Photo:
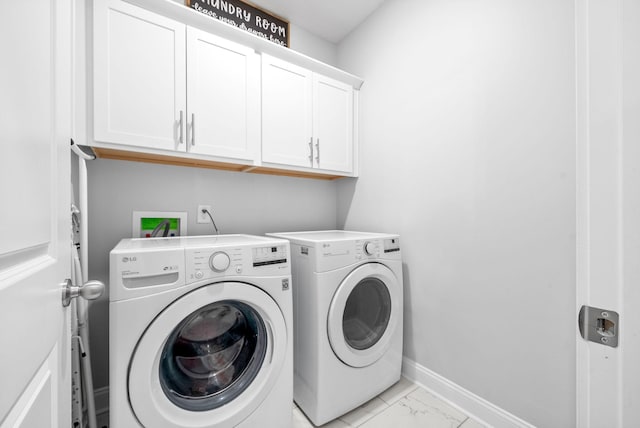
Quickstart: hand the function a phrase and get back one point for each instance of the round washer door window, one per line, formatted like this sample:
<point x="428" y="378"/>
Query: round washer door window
<point x="363" y="315"/>
<point x="209" y="359"/>
<point x="213" y="355"/>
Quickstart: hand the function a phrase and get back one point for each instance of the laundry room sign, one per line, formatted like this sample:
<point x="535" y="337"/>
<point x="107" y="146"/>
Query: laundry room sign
<point x="246" y="17"/>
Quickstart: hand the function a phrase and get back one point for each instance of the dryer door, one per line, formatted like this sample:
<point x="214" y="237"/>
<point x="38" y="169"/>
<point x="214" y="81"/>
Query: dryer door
<point x="209" y="359"/>
<point x="364" y="314"/>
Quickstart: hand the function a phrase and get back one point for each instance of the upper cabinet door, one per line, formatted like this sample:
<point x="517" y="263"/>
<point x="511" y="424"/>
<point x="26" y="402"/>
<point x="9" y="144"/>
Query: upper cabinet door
<point x="139" y="77"/>
<point x="332" y="124"/>
<point x="286" y="113"/>
<point x="223" y="93"/>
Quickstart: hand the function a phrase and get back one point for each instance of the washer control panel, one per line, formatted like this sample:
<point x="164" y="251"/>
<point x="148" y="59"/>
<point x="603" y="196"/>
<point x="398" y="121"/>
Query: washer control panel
<point x="272" y="255"/>
<point x="219" y="261"/>
<point x="391" y="245"/>
<point x="211" y="263"/>
<point x="369" y="248"/>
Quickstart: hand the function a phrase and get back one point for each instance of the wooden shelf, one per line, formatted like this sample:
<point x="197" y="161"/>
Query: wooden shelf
<point x="104" y="153"/>
<point x="290" y="173"/>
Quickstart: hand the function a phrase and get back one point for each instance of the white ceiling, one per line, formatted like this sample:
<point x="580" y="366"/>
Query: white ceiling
<point x="330" y="19"/>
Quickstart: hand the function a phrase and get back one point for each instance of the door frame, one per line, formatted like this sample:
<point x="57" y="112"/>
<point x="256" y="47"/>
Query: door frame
<point x="608" y="206"/>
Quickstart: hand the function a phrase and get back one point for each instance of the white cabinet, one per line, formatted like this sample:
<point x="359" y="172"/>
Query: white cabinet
<point x="160" y="84"/>
<point x="286" y="113"/>
<point x="139" y="77"/>
<point x="223" y="90"/>
<point x="307" y="118"/>
<point x="168" y="90"/>
<point x="333" y="120"/>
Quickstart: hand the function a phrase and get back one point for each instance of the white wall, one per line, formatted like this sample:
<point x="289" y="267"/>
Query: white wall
<point x="467" y="136"/>
<point x="311" y="45"/>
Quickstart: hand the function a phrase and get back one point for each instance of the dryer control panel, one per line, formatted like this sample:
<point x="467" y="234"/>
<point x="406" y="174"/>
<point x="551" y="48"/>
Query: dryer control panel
<point x="335" y="254"/>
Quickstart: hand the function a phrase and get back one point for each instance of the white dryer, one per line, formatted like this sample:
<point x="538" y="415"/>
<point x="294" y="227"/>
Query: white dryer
<point x="200" y="332"/>
<point x="348" y="298"/>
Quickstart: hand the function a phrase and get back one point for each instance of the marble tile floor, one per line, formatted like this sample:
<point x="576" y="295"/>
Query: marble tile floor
<point x="403" y="405"/>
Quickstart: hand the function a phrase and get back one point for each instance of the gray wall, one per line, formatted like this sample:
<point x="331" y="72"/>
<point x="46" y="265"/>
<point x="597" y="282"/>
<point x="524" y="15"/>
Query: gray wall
<point x="311" y="45"/>
<point x="467" y="136"/>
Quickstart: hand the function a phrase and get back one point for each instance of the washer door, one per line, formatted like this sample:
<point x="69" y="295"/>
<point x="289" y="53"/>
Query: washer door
<point x="363" y="315"/>
<point x="209" y="359"/>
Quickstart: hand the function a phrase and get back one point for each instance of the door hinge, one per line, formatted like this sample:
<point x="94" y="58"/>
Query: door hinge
<point x="599" y="325"/>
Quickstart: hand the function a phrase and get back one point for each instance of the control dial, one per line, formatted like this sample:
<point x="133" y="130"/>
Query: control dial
<point x="219" y="261"/>
<point x="369" y="248"/>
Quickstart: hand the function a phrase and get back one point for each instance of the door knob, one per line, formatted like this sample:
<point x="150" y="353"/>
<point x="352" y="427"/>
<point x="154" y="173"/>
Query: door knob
<point x="91" y="290"/>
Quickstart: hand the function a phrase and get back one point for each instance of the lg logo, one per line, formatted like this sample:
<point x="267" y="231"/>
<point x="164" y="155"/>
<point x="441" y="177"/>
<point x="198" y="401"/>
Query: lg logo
<point x="129" y="259"/>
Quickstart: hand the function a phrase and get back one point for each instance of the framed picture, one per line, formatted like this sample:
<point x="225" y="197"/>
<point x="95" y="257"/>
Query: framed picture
<point x="246" y="17"/>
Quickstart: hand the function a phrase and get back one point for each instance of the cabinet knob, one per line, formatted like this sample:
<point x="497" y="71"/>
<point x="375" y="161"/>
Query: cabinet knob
<point x="181" y="127"/>
<point x="193" y="129"/>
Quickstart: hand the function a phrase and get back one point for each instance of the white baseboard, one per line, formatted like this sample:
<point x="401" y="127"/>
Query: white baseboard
<point x="469" y="403"/>
<point x="101" y="396"/>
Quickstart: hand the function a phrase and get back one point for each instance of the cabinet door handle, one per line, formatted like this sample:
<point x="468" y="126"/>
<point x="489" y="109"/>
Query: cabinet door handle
<point x="193" y="129"/>
<point x="318" y="151"/>
<point x="311" y="151"/>
<point x="181" y="127"/>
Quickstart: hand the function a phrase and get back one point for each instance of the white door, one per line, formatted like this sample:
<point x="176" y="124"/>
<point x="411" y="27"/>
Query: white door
<point x="286" y="113"/>
<point x="35" y="184"/>
<point x="608" y="208"/>
<point x="332" y="124"/>
<point x="139" y="77"/>
<point x="223" y="97"/>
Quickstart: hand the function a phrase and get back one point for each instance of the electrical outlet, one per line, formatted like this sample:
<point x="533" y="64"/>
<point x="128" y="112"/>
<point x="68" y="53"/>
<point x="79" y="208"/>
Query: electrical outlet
<point x="203" y="217"/>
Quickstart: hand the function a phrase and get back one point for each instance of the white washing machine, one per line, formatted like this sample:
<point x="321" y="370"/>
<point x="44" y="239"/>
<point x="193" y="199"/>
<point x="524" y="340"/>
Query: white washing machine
<point x="347" y="290"/>
<point x="200" y="332"/>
